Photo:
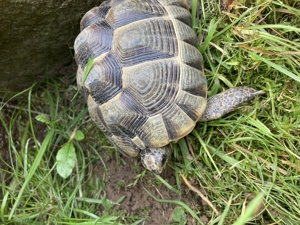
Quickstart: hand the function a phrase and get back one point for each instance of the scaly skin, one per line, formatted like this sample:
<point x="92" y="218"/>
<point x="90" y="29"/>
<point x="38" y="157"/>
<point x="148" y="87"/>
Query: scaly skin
<point x="155" y="159"/>
<point x="227" y="101"/>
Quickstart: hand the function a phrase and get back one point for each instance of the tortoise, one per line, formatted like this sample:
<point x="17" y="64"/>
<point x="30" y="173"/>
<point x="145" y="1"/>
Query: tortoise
<point x="146" y="87"/>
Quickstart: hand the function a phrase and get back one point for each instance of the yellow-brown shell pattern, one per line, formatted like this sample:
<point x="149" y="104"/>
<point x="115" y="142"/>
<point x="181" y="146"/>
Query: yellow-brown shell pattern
<point x="147" y="86"/>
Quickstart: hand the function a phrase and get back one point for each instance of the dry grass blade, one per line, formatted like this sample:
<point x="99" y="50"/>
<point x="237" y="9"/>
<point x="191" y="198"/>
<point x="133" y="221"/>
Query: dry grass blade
<point x="194" y="189"/>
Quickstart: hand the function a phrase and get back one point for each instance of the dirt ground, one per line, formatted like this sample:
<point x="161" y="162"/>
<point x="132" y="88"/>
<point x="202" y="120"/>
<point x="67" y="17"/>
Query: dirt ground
<point x="137" y="201"/>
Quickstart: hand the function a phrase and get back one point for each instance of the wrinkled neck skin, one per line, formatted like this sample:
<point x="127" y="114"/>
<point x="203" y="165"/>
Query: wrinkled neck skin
<point x="155" y="159"/>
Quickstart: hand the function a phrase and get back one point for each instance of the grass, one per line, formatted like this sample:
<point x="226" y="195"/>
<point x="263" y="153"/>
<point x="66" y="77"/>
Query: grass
<point x="33" y="192"/>
<point x="247" y="164"/>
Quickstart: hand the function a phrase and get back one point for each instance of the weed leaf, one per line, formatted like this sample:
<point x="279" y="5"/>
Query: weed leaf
<point x="65" y="159"/>
<point x="179" y="216"/>
<point x="43" y="119"/>
<point x="79" y="135"/>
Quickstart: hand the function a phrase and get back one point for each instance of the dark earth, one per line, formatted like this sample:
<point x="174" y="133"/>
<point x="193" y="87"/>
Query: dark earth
<point x="137" y="201"/>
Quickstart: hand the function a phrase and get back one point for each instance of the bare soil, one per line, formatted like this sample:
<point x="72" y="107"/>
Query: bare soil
<point x="137" y="201"/>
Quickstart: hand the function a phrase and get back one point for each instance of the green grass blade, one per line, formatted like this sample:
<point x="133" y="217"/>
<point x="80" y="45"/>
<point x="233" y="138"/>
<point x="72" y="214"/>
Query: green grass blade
<point x="210" y="32"/>
<point x="276" y="26"/>
<point x="87" y="70"/>
<point x="225" y="212"/>
<point x="232" y="24"/>
<point x="166" y="184"/>
<point x="194" y="12"/>
<point x="243" y="219"/>
<point x="277" y="67"/>
<point x="233" y="162"/>
<point x="33" y="168"/>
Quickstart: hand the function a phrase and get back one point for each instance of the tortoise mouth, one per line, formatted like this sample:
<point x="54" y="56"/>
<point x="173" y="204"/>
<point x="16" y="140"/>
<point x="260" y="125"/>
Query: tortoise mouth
<point x="155" y="159"/>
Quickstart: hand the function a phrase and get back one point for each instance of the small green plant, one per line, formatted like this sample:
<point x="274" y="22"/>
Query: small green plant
<point x="178" y="216"/>
<point x="66" y="156"/>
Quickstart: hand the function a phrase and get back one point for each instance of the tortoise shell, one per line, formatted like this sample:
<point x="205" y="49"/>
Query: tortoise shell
<point x="146" y="87"/>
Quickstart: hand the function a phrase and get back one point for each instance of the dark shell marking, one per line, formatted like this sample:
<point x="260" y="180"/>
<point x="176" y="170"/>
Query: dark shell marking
<point x="147" y="86"/>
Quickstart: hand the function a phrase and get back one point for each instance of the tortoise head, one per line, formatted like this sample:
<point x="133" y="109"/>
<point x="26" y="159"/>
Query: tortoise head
<point x="155" y="159"/>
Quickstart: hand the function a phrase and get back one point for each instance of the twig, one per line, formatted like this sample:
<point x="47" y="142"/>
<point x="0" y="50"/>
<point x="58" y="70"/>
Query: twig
<point x="190" y="148"/>
<point x="158" y="192"/>
<point x="194" y="189"/>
